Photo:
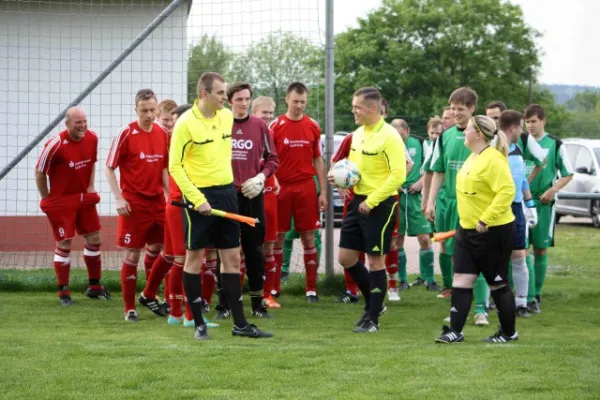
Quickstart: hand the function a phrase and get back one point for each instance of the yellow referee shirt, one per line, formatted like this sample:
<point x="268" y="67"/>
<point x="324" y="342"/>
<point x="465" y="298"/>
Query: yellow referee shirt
<point x="200" y="154"/>
<point x="378" y="152"/>
<point x="485" y="190"/>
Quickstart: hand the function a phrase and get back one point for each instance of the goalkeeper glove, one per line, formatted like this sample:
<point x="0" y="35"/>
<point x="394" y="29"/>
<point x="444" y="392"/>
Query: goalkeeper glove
<point x="530" y="213"/>
<point x="253" y="186"/>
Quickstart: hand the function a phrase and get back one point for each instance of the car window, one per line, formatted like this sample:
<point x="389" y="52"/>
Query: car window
<point x="584" y="160"/>
<point x="572" y="149"/>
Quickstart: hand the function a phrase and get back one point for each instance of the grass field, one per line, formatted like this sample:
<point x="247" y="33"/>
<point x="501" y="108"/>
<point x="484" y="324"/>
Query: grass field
<point x="89" y="352"/>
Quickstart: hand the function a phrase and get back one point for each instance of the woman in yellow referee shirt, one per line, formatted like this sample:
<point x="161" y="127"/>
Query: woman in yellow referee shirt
<point x="484" y="239"/>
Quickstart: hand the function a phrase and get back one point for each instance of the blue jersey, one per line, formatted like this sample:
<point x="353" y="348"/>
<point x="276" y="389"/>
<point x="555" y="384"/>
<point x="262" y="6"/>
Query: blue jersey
<point x="518" y="171"/>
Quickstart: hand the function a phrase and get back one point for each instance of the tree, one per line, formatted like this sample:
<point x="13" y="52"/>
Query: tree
<point x="207" y="54"/>
<point x="418" y="51"/>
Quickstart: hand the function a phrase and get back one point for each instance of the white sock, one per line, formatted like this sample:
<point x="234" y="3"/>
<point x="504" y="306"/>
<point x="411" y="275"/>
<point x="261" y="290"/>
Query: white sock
<point x="521" y="281"/>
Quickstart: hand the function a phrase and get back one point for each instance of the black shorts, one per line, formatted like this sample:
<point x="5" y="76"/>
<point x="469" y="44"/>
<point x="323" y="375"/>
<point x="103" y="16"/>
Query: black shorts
<point x="254" y="208"/>
<point x="371" y="233"/>
<point x="487" y="253"/>
<point x="202" y="231"/>
<point x="520" y="227"/>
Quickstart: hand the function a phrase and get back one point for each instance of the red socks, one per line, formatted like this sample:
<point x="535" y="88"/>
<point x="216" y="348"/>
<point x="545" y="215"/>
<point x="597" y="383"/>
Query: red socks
<point x="278" y="256"/>
<point x="149" y="260"/>
<point x="91" y="257"/>
<point x="391" y="266"/>
<point x="62" y="266"/>
<point x="270" y="272"/>
<point x="128" y="284"/>
<point x="311" y="264"/>
<point x="176" y="289"/>
<point x="159" y="270"/>
<point x="208" y="278"/>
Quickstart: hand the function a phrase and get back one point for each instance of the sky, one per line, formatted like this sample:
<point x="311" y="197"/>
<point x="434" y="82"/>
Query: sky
<point x="569" y="44"/>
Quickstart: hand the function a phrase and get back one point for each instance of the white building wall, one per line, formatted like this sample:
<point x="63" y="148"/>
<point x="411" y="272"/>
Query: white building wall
<point x="49" y="52"/>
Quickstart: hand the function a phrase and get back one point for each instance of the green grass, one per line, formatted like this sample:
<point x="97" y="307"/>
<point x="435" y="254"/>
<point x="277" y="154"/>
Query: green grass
<point x="87" y="351"/>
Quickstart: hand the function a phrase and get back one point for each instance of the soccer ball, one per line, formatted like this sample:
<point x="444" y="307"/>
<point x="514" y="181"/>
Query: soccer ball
<point x="345" y="174"/>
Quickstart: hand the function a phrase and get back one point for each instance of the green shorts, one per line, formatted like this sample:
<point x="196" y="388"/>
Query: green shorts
<point x="412" y="220"/>
<point x="446" y="219"/>
<point x="541" y="236"/>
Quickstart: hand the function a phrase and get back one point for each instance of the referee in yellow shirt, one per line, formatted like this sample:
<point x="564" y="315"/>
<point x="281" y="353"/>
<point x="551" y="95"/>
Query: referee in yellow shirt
<point x="484" y="191"/>
<point x="378" y="151"/>
<point x="200" y="164"/>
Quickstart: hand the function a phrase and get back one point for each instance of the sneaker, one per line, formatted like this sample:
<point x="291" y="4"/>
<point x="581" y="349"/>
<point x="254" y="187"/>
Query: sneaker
<point x="284" y="276"/>
<point x="250" y="330"/>
<point x="522" y="312"/>
<point x="481" y="319"/>
<point x="165" y="306"/>
<point x="367" y="326"/>
<point x="403" y="286"/>
<point x="418" y="282"/>
<point x="270" y="302"/>
<point x="393" y="295"/>
<point x="205" y="307"/>
<point x="365" y="316"/>
<point x="175" y="320"/>
<point x="188" y="323"/>
<point x="347" y="298"/>
<point x="98" y="293"/>
<point x="153" y="305"/>
<point x="209" y="323"/>
<point x="131" y="316"/>
<point x="312" y="298"/>
<point x="261" y="313"/>
<point x="490" y="307"/>
<point x="449" y="336"/>
<point x="201" y="333"/>
<point x="538" y="298"/>
<point x="275" y="294"/>
<point x="65" y="299"/>
<point x="433" y="286"/>
<point x="500" y="337"/>
<point x="444" y="294"/>
<point x="533" y="307"/>
<point x="222" y="313"/>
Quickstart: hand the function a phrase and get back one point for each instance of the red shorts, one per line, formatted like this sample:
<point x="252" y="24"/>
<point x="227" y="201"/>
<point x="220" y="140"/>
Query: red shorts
<point x="395" y="233"/>
<point x="270" y="201"/>
<point x="298" y="200"/>
<point x="69" y="215"/>
<point x="144" y="225"/>
<point x="174" y="240"/>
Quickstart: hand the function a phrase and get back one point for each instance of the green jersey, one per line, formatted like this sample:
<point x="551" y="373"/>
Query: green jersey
<point x="427" y="151"/>
<point x="449" y="154"/>
<point x="414" y="147"/>
<point x="557" y="161"/>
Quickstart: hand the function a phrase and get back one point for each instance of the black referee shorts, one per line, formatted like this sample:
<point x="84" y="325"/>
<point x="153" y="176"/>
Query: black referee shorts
<point x="369" y="233"/>
<point x="210" y="231"/>
<point x="487" y="253"/>
<point x="254" y="208"/>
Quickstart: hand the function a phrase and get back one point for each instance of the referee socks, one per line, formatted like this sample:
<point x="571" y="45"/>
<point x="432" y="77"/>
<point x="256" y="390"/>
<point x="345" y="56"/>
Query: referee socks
<point x="233" y="292"/>
<point x="360" y="275"/>
<point x="192" y="287"/>
<point x="461" y="304"/>
<point x="505" y="305"/>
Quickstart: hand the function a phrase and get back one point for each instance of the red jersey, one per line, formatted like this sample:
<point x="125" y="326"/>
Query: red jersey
<point x="297" y="143"/>
<point x="174" y="191"/>
<point x="344" y="150"/>
<point x="141" y="157"/>
<point x="69" y="164"/>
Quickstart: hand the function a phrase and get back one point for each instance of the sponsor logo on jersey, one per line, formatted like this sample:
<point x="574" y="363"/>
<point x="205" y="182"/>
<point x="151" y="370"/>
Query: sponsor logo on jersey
<point x="72" y="164"/>
<point x="412" y="152"/>
<point x="240" y="144"/>
<point x="142" y="156"/>
<point x="286" y="141"/>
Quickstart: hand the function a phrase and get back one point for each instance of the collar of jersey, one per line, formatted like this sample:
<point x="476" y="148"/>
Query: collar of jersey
<point x="198" y="114"/>
<point x="376" y="127"/>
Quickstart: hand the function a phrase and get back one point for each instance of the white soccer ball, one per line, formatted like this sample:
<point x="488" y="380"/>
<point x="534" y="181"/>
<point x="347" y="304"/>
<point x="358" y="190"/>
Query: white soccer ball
<point x="345" y="174"/>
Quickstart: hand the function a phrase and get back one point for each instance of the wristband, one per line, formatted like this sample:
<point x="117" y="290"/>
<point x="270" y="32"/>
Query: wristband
<point x="529" y="203"/>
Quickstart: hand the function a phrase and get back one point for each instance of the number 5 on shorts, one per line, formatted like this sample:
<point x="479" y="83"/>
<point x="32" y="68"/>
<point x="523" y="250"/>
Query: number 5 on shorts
<point x="127" y="239"/>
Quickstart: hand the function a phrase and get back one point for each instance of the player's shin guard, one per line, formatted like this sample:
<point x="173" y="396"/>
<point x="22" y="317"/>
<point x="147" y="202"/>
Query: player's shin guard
<point x="403" y="275"/>
<point x="480" y="291"/>
<point x="391" y="266"/>
<point x="149" y="260"/>
<point x="426" y="265"/>
<point x="446" y="267"/>
<point x="505" y="305"/>
<point x="62" y="267"/>
<point x="378" y="288"/>
<point x="209" y="280"/>
<point x="359" y="273"/>
<point x="541" y="267"/>
<point x="161" y="267"/>
<point x="531" y="284"/>
<point x="350" y="284"/>
<point x="278" y="256"/>
<point x="128" y="284"/>
<point x="191" y="286"/>
<point x="520" y="278"/>
<point x="461" y="304"/>
<point x="270" y="272"/>
<point x="233" y="291"/>
<point x="311" y="264"/>
<point x="91" y="257"/>
<point x="176" y="289"/>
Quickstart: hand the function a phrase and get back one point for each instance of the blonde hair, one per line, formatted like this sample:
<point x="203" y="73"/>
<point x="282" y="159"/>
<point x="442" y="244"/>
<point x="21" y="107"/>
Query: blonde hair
<point x="435" y="121"/>
<point x="166" y="106"/>
<point x="262" y="101"/>
<point x="487" y="127"/>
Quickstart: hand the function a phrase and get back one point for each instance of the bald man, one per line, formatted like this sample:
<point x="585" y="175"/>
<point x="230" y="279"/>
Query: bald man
<point x="68" y="162"/>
